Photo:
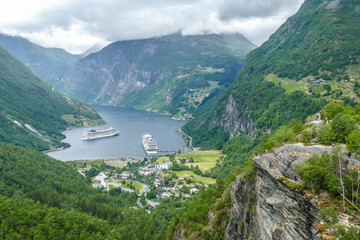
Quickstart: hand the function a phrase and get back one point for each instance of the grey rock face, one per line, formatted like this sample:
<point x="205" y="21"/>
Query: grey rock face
<point x="235" y="121"/>
<point x="266" y="208"/>
<point x="124" y="67"/>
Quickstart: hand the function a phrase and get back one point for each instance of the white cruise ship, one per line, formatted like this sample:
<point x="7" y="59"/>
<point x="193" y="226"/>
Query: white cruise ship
<point x="149" y="144"/>
<point x="93" y="134"/>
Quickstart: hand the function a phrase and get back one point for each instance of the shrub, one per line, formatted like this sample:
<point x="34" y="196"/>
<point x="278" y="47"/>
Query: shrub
<point x="326" y="134"/>
<point x="353" y="142"/>
<point x="331" y="110"/>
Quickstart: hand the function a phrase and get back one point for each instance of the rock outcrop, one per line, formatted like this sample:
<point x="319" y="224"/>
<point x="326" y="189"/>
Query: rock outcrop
<point x="266" y="208"/>
<point x="236" y="122"/>
<point x="138" y="73"/>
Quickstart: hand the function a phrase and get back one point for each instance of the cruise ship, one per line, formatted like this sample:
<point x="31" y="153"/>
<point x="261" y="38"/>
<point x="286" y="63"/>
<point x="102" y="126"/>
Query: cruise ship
<point x="93" y="134"/>
<point x="149" y="144"/>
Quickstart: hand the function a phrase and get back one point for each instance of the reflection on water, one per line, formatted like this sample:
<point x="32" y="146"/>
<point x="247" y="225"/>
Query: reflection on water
<point x="132" y="124"/>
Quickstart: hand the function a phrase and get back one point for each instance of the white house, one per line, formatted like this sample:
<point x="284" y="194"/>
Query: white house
<point x="101" y="179"/>
<point x="193" y="190"/>
<point x="164" y="165"/>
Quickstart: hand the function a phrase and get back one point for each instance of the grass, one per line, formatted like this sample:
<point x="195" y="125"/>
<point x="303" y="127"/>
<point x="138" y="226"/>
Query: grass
<point x="116" y="163"/>
<point x="138" y="186"/>
<point x="204" y="159"/>
<point x="195" y="177"/>
<point x="162" y="159"/>
<point x="288" y="183"/>
<point x="286" y="83"/>
<point x="354" y="72"/>
<point x="75" y="121"/>
<point x="91" y="163"/>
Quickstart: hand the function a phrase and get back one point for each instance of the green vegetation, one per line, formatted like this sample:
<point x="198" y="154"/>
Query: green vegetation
<point x="289" y="183"/>
<point x="286" y="83"/>
<point x="30" y="112"/>
<point x="131" y="184"/>
<point x="27" y="174"/>
<point x="193" y="218"/>
<point x="312" y="45"/>
<point x="269" y="106"/>
<point x="49" y="64"/>
<point x="180" y="72"/>
<point x="204" y="159"/>
<point x="41" y="196"/>
<point x="194" y="177"/>
<point x="343" y="127"/>
<point x="317" y="46"/>
<point x="162" y="159"/>
<point x="268" y="93"/>
<point x="30" y="220"/>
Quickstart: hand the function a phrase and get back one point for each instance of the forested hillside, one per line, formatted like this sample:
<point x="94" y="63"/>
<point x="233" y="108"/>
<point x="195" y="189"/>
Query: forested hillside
<point x="311" y="58"/>
<point x="31" y="114"/>
<point x="45" y="198"/>
<point x="172" y="74"/>
<point x="288" y="128"/>
<point x="49" y="64"/>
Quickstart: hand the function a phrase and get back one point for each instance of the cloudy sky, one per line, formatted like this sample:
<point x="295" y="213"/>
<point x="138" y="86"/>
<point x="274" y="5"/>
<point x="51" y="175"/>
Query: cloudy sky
<point x="77" y="25"/>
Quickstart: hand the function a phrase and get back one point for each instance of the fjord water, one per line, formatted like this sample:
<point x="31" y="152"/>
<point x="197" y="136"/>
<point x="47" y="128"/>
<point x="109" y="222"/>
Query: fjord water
<point x="132" y="124"/>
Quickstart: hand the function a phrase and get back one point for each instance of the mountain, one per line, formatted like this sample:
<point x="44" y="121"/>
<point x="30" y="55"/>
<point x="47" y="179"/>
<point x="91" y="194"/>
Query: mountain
<point x="31" y="113"/>
<point x="97" y="47"/>
<point x="48" y="63"/>
<point x="173" y="74"/>
<point x="312" y="57"/>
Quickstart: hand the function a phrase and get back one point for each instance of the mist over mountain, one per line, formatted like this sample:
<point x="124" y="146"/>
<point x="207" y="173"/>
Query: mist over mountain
<point x="171" y="74"/>
<point x="48" y="63"/>
<point x="284" y="118"/>
<point x="312" y="57"/>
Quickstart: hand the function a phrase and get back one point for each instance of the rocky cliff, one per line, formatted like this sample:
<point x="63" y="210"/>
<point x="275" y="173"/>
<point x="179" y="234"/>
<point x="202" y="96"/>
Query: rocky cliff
<point x="168" y="74"/>
<point x="316" y="46"/>
<point x="268" y="207"/>
<point x="236" y="122"/>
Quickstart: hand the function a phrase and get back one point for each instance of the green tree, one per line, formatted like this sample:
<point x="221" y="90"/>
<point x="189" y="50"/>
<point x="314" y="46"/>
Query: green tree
<point x="326" y="134"/>
<point x="305" y="137"/>
<point x="320" y="173"/>
<point x="151" y="195"/>
<point x="342" y="126"/>
<point x="331" y="110"/>
<point x="143" y="200"/>
<point x="353" y="141"/>
<point x="327" y="87"/>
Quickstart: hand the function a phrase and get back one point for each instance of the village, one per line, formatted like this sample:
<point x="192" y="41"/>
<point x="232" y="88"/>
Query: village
<point x="154" y="179"/>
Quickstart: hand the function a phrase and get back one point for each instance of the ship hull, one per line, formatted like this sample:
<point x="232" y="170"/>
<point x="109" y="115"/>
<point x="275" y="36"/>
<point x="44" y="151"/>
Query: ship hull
<point x="100" y="134"/>
<point x="149" y="144"/>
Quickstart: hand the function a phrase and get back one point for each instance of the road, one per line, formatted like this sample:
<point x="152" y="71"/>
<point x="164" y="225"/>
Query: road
<point x="145" y="189"/>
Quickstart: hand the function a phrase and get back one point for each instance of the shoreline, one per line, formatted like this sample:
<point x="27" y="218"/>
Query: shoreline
<point x="120" y="155"/>
<point x="101" y="122"/>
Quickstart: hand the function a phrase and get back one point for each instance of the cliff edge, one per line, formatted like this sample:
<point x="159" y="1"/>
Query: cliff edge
<point x="270" y="206"/>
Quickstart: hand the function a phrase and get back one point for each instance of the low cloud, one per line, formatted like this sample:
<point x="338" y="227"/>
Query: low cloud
<point x="77" y="25"/>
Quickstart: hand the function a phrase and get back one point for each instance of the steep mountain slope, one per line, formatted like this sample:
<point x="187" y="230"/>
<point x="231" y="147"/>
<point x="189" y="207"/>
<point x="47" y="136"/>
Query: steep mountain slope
<point x="290" y="188"/>
<point x="171" y="74"/>
<point x="31" y="114"/>
<point x="313" y="56"/>
<point x="48" y="63"/>
<point x="66" y="205"/>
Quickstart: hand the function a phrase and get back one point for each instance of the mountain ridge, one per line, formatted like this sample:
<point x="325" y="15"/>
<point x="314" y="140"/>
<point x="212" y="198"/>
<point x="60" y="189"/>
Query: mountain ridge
<point x="146" y="73"/>
<point x="271" y="74"/>
<point x="48" y="63"/>
<point x="31" y="113"/>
